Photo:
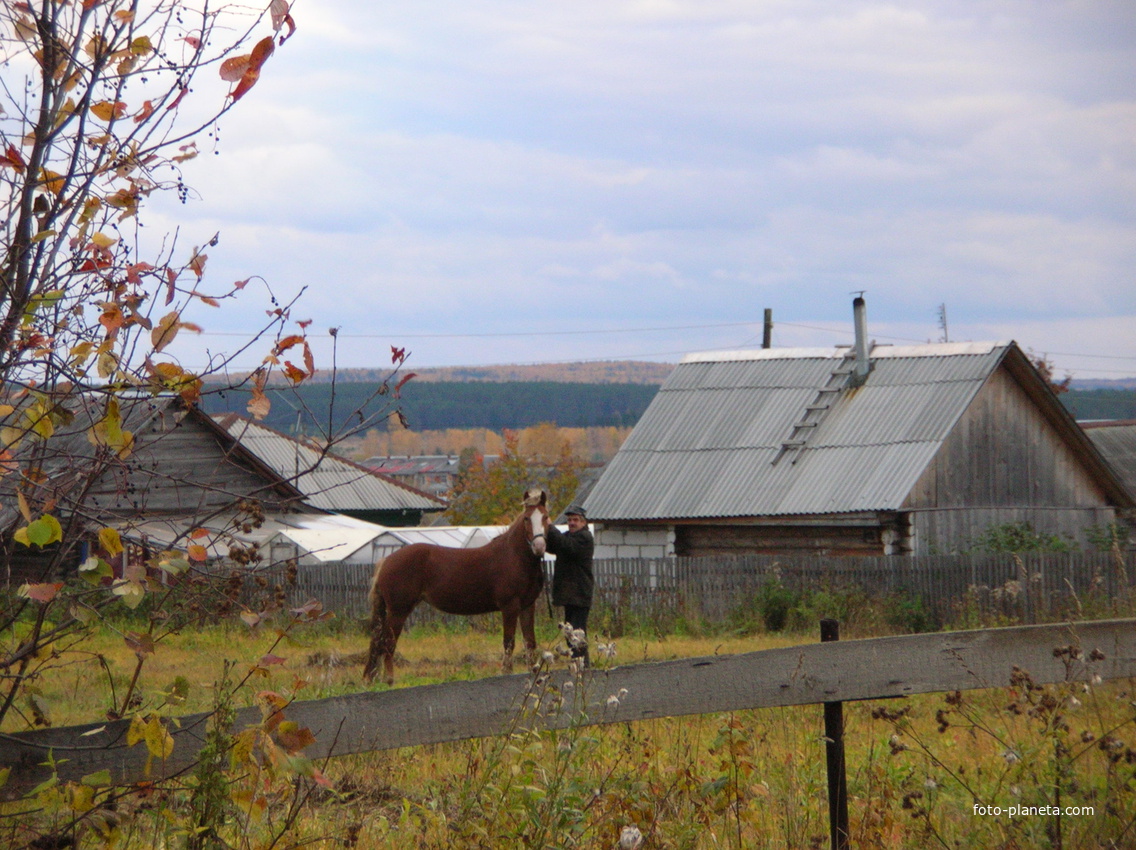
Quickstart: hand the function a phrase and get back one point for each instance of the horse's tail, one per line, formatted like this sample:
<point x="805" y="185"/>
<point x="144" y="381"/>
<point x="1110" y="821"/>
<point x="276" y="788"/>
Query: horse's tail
<point x="378" y="625"/>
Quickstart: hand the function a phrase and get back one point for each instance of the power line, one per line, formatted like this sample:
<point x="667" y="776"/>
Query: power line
<point x="511" y="333"/>
<point x="836" y="330"/>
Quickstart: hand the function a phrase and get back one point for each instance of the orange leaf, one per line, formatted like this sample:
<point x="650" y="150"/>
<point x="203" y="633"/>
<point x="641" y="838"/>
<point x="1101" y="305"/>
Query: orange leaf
<point x="51" y="181"/>
<point x="12" y="158"/>
<point x="234" y="68"/>
<point x="294" y="373"/>
<point x="403" y="380"/>
<point x="259" y="405"/>
<point x="198" y="533"/>
<point x="197" y="552"/>
<point x="134" y="272"/>
<point x="256" y="59"/>
<point x="140" y="644"/>
<point x="177" y="100"/>
<point x="145" y="112"/>
<point x="197" y="263"/>
<point x="309" y="361"/>
<point x="294" y="737"/>
<point x="166" y="330"/>
<point x="112" y="318"/>
<point x="41" y="592"/>
<point x="287" y="342"/>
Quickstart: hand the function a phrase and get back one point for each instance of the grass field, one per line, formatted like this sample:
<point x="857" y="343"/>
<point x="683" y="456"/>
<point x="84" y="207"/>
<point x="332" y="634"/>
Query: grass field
<point x="917" y="768"/>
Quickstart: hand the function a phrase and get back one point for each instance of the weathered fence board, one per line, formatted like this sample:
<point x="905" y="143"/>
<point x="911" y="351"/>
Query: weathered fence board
<point x="873" y="668"/>
<point x="1031" y="587"/>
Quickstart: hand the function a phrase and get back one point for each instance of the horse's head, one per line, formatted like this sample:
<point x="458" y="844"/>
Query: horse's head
<point x="536" y="519"/>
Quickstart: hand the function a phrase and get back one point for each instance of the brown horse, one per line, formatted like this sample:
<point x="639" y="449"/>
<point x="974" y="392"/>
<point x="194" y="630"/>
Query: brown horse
<point x="506" y="575"/>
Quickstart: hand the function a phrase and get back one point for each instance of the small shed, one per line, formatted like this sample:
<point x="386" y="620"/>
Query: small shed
<point x="912" y="449"/>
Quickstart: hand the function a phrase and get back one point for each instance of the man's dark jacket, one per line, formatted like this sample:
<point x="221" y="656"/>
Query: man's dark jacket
<point x="572" y="583"/>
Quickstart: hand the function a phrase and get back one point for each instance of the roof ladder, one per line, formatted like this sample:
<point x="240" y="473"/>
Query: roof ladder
<point x="815" y="412"/>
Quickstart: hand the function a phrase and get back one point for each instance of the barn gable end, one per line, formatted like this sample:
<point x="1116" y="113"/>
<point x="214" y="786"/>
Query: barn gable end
<point x="1009" y="459"/>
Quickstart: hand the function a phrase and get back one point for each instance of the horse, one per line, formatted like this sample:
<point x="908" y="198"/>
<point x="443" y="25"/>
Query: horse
<point x="506" y="575"/>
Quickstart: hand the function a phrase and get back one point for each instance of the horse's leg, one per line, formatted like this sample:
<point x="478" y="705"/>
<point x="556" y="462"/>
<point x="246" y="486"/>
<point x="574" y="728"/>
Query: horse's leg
<point x="509" y="631"/>
<point x="528" y="629"/>
<point x="395" y="623"/>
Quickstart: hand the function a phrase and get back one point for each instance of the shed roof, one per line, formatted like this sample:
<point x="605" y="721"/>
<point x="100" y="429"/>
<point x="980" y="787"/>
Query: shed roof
<point x="715" y="441"/>
<point x="1117" y="442"/>
<point x="327" y="481"/>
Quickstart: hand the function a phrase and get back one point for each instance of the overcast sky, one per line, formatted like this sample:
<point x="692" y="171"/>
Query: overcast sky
<point x="494" y="181"/>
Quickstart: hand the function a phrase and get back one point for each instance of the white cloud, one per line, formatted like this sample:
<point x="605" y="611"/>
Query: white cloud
<point x="440" y="166"/>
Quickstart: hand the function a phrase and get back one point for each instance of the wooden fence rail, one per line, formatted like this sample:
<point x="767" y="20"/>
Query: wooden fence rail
<point x="874" y="668"/>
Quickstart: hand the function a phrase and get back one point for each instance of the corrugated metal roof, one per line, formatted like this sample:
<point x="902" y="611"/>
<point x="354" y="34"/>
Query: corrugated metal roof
<point x="706" y="445"/>
<point x="335" y="484"/>
<point x="1117" y="442"/>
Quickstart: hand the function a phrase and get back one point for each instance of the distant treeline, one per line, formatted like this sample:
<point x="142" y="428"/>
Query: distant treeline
<point x="521" y="404"/>
<point x="450" y="404"/>
<point x="1100" y="404"/>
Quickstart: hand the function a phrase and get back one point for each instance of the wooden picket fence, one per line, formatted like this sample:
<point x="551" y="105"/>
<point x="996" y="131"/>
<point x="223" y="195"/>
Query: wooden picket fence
<point x="1028" y="588"/>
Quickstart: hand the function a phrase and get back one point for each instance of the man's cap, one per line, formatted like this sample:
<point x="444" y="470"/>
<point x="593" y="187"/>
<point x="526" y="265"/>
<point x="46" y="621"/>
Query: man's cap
<point x="575" y="509"/>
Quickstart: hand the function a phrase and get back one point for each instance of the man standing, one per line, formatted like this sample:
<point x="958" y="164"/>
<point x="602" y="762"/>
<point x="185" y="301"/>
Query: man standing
<point x="572" y="582"/>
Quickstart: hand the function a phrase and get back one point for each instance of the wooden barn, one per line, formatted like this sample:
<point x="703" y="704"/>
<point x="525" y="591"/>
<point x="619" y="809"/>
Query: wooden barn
<point x="184" y="471"/>
<point x="914" y="449"/>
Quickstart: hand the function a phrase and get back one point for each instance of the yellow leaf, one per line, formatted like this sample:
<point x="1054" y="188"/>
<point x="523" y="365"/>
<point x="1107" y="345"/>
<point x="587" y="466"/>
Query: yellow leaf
<point x="131" y="592"/>
<point x="137" y="730"/>
<point x="108" y="110"/>
<point x="159" y="741"/>
<point x="82" y="798"/>
<point x="95" y="46"/>
<point x="141" y="45"/>
<point x="41" y="532"/>
<point x="51" y="180"/>
<point x="166" y="330"/>
<point x="111" y="541"/>
<point x="102" y="240"/>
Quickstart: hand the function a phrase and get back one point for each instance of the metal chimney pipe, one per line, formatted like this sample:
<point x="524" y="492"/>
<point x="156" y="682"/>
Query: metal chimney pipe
<point x="862" y="366"/>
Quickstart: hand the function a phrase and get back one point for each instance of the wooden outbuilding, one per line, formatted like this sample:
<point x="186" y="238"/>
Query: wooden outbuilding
<point x="913" y="449"/>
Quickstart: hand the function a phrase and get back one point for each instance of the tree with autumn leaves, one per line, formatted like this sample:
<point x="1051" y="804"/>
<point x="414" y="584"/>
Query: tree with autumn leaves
<point x="491" y="494"/>
<point x="102" y="106"/>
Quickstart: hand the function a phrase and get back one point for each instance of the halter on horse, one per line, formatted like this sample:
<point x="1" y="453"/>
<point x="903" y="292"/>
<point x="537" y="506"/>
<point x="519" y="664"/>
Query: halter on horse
<point x="506" y="575"/>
